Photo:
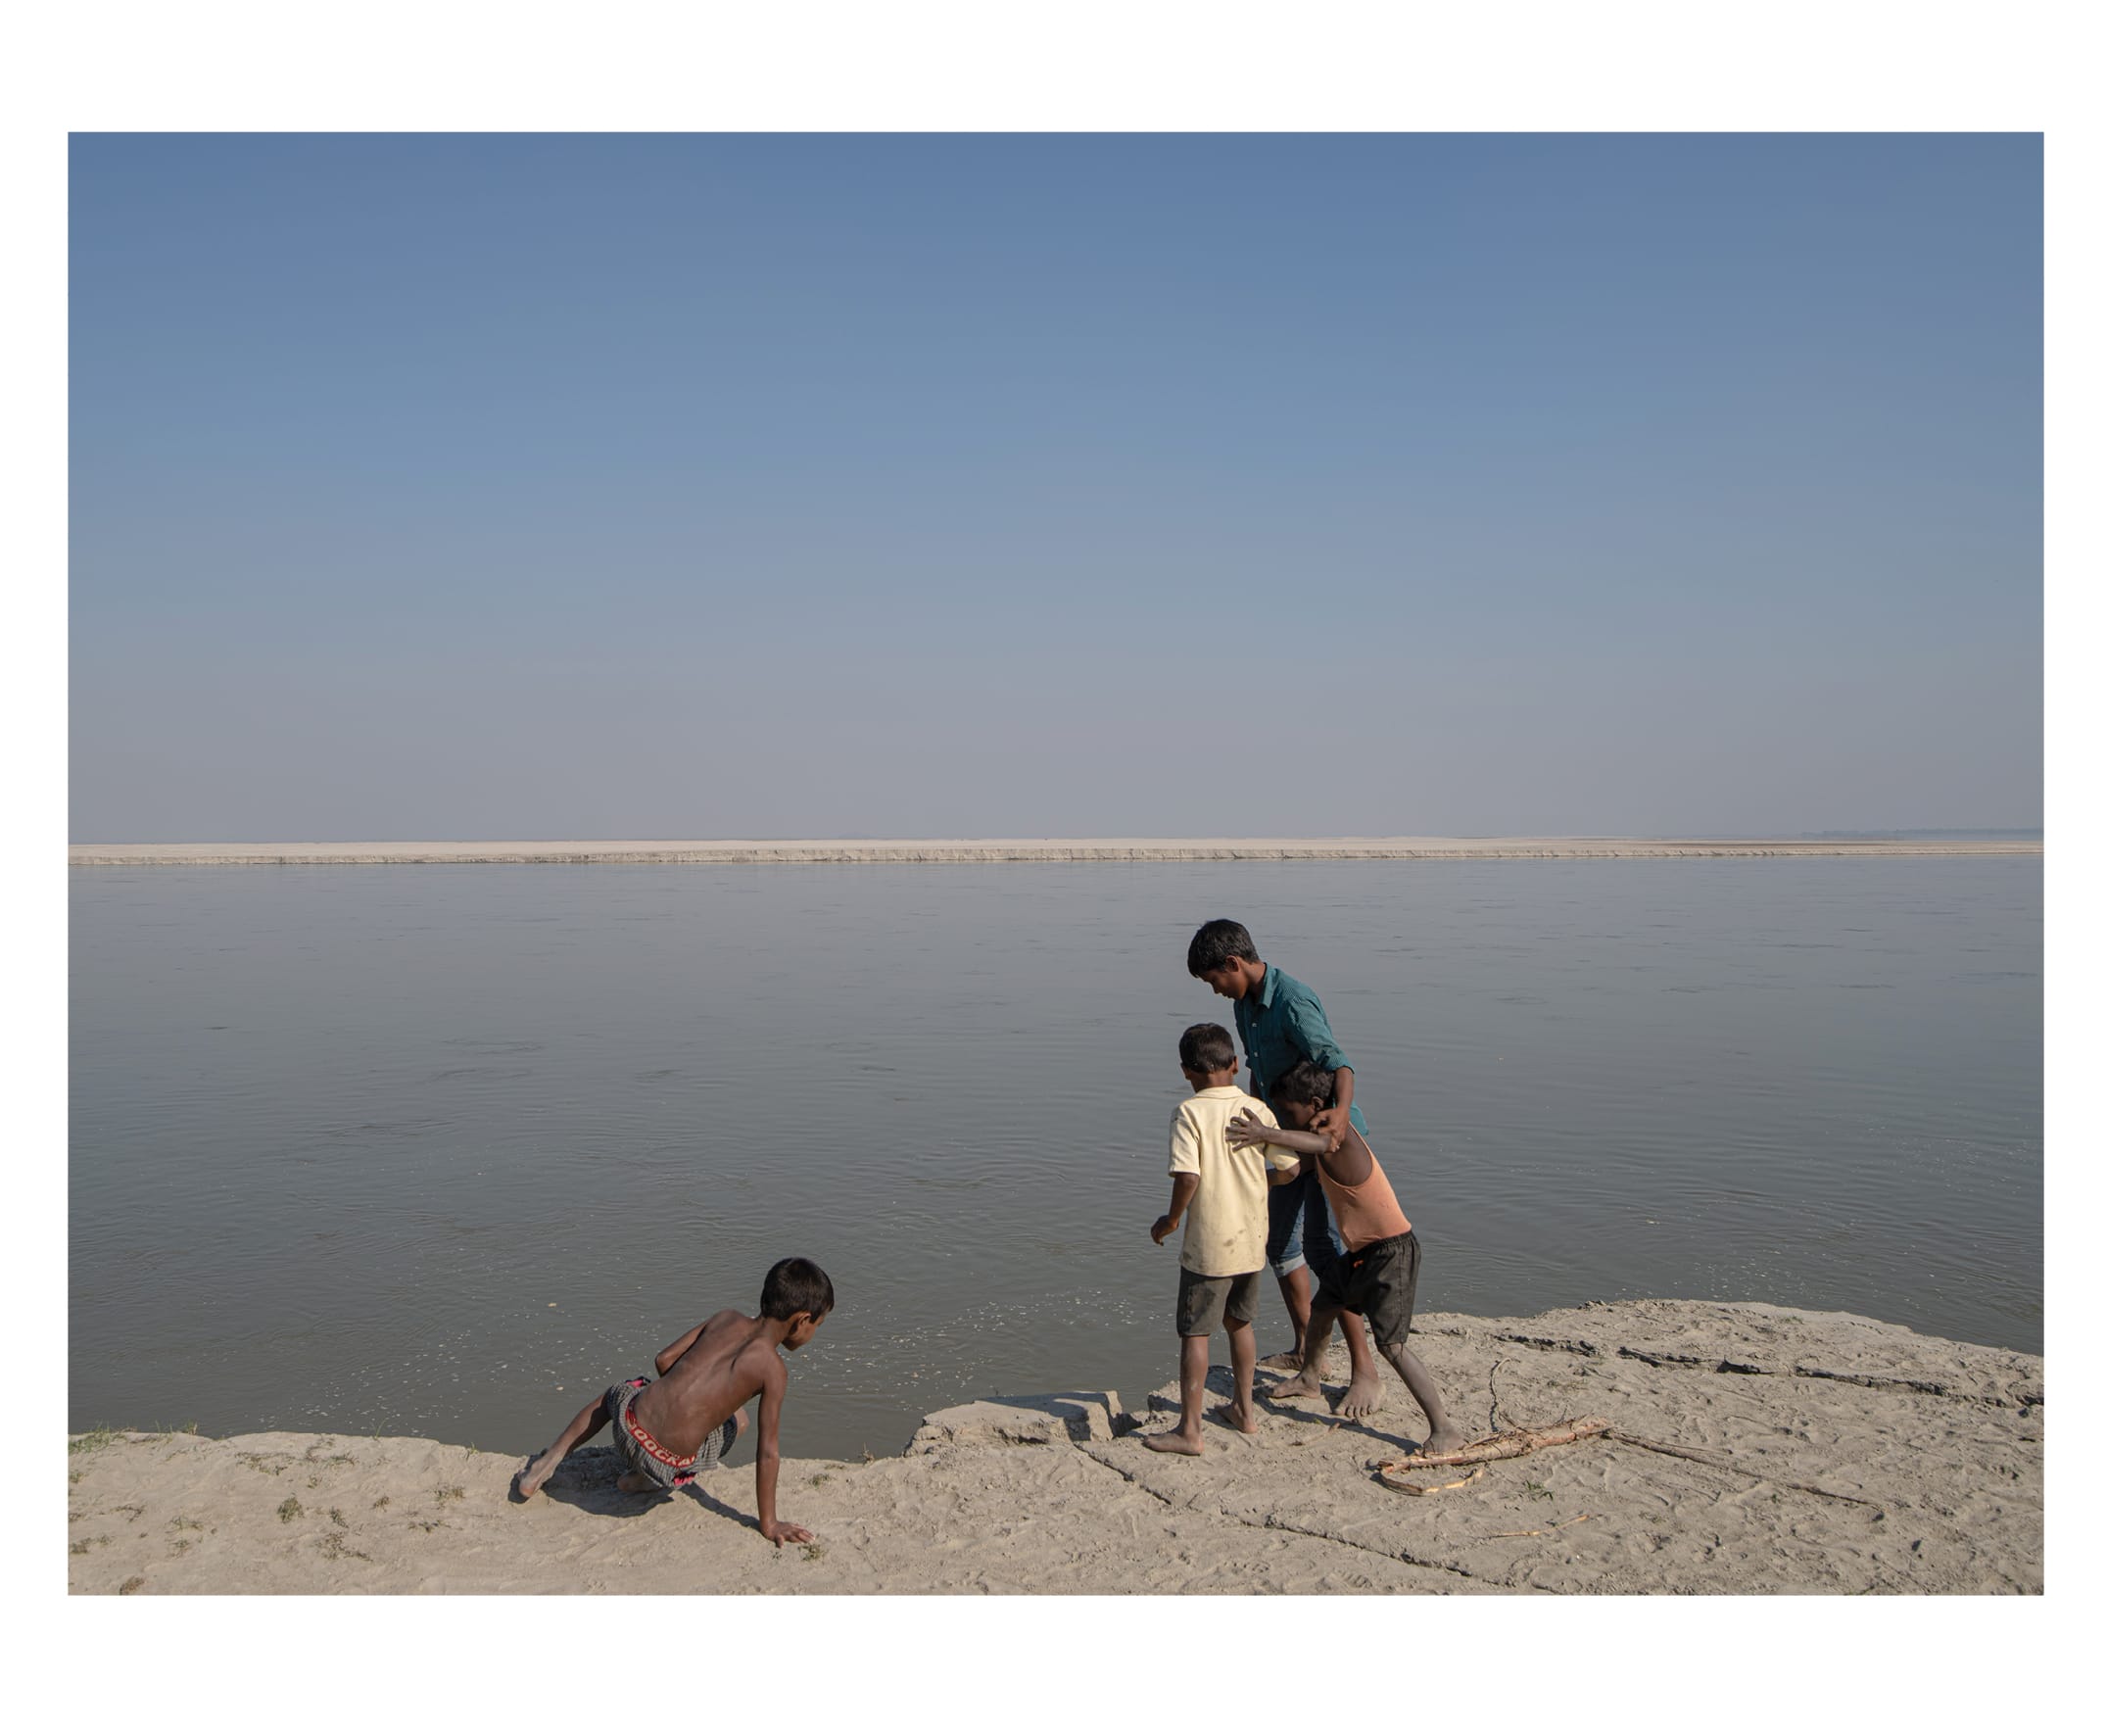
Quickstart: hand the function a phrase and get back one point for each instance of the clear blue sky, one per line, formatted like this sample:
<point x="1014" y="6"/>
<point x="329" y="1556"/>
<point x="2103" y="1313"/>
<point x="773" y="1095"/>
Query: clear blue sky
<point x="479" y="487"/>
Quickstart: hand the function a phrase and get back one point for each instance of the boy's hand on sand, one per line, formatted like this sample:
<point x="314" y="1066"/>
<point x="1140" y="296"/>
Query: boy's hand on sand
<point x="782" y="1531"/>
<point x="1162" y="1228"/>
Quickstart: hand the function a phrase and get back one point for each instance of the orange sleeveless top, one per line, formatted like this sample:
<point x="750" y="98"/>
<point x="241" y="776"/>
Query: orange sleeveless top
<point x="1368" y="1213"/>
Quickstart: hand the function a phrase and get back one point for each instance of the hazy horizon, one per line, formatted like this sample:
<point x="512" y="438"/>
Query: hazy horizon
<point x="689" y="486"/>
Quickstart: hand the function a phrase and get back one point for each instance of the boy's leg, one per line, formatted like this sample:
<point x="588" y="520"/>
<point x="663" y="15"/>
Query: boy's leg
<point x="1283" y="1253"/>
<point x="1237" y="1316"/>
<point x="1192" y="1395"/>
<point x="1390" y="1301"/>
<point x="580" y="1429"/>
<point x="1443" y="1436"/>
<point x="1307" y="1382"/>
<point x="1321" y="1249"/>
<point x="1242" y="1415"/>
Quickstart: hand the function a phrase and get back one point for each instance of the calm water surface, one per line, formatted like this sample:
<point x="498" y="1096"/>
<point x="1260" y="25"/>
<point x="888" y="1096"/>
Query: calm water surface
<point x="442" y="1150"/>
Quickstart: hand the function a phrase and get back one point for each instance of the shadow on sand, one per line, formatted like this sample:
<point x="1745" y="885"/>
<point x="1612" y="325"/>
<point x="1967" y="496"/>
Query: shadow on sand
<point x="586" y="1481"/>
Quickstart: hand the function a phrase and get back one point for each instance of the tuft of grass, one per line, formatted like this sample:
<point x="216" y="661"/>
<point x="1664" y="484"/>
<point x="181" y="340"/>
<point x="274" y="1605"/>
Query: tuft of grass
<point x="1535" y="1491"/>
<point x="186" y="1524"/>
<point x="180" y="1546"/>
<point x="819" y="1479"/>
<point x="337" y="1519"/>
<point x="92" y="1443"/>
<point x="813" y="1551"/>
<point x="289" y="1510"/>
<point x="81" y="1545"/>
<point x="131" y="1585"/>
<point x="382" y="1502"/>
<point x="456" y="1493"/>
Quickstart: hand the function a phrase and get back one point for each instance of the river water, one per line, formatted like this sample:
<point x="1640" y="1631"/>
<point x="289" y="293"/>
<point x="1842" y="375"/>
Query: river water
<point x="442" y="1150"/>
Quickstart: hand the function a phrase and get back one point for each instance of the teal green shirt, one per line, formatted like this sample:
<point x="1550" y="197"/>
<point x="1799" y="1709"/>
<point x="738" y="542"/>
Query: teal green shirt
<point x="1282" y="1022"/>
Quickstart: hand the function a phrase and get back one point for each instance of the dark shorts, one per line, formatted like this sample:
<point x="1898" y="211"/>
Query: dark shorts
<point x="1379" y="1282"/>
<point x="1205" y="1304"/>
<point x="644" y="1454"/>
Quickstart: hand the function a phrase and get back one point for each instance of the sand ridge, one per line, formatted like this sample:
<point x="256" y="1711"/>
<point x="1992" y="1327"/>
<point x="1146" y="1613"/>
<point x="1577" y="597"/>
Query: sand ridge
<point x="1840" y="1454"/>
<point x="909" y="850"/>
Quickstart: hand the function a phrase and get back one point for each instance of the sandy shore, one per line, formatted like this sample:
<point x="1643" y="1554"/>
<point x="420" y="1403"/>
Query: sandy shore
<point x="791" y="852"/>
<point x="1836" y="1454"/>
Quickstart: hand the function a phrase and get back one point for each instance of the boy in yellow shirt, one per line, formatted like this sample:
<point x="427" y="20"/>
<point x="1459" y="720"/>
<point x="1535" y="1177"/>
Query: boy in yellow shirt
<point x="1220" y="1194"/>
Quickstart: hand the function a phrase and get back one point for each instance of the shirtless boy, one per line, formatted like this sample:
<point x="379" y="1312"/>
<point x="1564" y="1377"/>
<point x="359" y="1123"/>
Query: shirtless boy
<point x="1379" y="1275"/>
<point x="683" y="1423"/>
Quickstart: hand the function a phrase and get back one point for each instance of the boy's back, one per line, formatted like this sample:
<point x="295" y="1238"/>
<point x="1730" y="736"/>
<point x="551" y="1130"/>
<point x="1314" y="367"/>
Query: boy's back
<point x="1225" y="1223"/>
<point x="732" y="1358"/>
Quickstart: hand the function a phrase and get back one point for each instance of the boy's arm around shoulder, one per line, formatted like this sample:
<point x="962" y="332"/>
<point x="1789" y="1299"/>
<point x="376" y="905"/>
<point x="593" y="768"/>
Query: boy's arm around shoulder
<point x="1282" y="1148"/>
<point x="768" y="1456"/>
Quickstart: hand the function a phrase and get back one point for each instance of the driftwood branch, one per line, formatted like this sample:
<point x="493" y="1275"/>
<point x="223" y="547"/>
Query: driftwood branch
<point x="1510" y="1445"/>
<point x="1383" y="1477"/>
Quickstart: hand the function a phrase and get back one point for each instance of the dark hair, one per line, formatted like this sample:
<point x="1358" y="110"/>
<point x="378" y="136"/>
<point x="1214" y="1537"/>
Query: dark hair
<point x="1218" y="942"/>
<point x="1304" y="1082"/>
<point x="1206" y="1048"/>
<point x="795" y="1286"/>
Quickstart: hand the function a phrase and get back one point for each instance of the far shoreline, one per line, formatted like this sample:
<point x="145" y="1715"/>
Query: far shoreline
<point x="793" y="853"/>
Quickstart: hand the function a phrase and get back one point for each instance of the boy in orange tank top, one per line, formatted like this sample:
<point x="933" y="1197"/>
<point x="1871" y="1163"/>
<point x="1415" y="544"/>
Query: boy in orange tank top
<point x="1379" y="1276"/>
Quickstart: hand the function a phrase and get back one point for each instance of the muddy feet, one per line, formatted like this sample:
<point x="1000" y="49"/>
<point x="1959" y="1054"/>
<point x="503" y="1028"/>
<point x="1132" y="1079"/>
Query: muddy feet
<point x="1304" y="1385"/>
<point x="1237" y="1416"/>
<point x="1177" y="1440"/>
<point x="1364" y="1397"/>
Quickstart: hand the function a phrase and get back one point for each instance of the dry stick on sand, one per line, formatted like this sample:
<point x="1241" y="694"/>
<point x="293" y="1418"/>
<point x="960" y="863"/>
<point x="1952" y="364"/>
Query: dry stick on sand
<point x="1510" y="1445"/>
<point x="1404" y="1488"/>
<point x="1577" y="1519"/>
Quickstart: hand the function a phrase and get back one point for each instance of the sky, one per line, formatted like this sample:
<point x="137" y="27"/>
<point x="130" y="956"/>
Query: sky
<point x="687" y="487"/>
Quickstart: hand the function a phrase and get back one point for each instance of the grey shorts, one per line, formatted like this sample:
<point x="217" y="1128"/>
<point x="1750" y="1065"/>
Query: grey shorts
<point x="1380" y="1283"/>
<point x="642" y="1453"/>
<point x="1203" y="1302"/>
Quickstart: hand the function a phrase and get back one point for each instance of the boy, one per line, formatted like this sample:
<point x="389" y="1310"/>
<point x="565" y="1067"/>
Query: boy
<point x="1281" y="1022"/>
<point x="670" y="1428"/>
<point x="1222" y="1195"/>
<point x="1379" y="1275"/>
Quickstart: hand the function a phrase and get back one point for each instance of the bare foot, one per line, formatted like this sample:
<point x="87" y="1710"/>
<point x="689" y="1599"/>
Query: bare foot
<point x="1288" y="1360"/>
<point x="1235" y="1416"/>
<point x="533" y="1475"/>
<point x="1304" y="1385"/>
<point x="1174" y="1440"/>
<point x="1364" y="1397"/>
<point x="1446" y="1441"/>
<point x="635" y="1482"/>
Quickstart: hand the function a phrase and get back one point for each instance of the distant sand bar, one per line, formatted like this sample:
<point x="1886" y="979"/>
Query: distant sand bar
<point x="792" y="852"/>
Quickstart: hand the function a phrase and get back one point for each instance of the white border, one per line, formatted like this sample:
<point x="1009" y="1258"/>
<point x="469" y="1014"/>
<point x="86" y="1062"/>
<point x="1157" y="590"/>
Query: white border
<point x="1078" y="66"/>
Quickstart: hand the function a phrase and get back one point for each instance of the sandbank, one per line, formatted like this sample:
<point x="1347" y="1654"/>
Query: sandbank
<point x="913" y="850"/>
<point x="1835" y="1454"/>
